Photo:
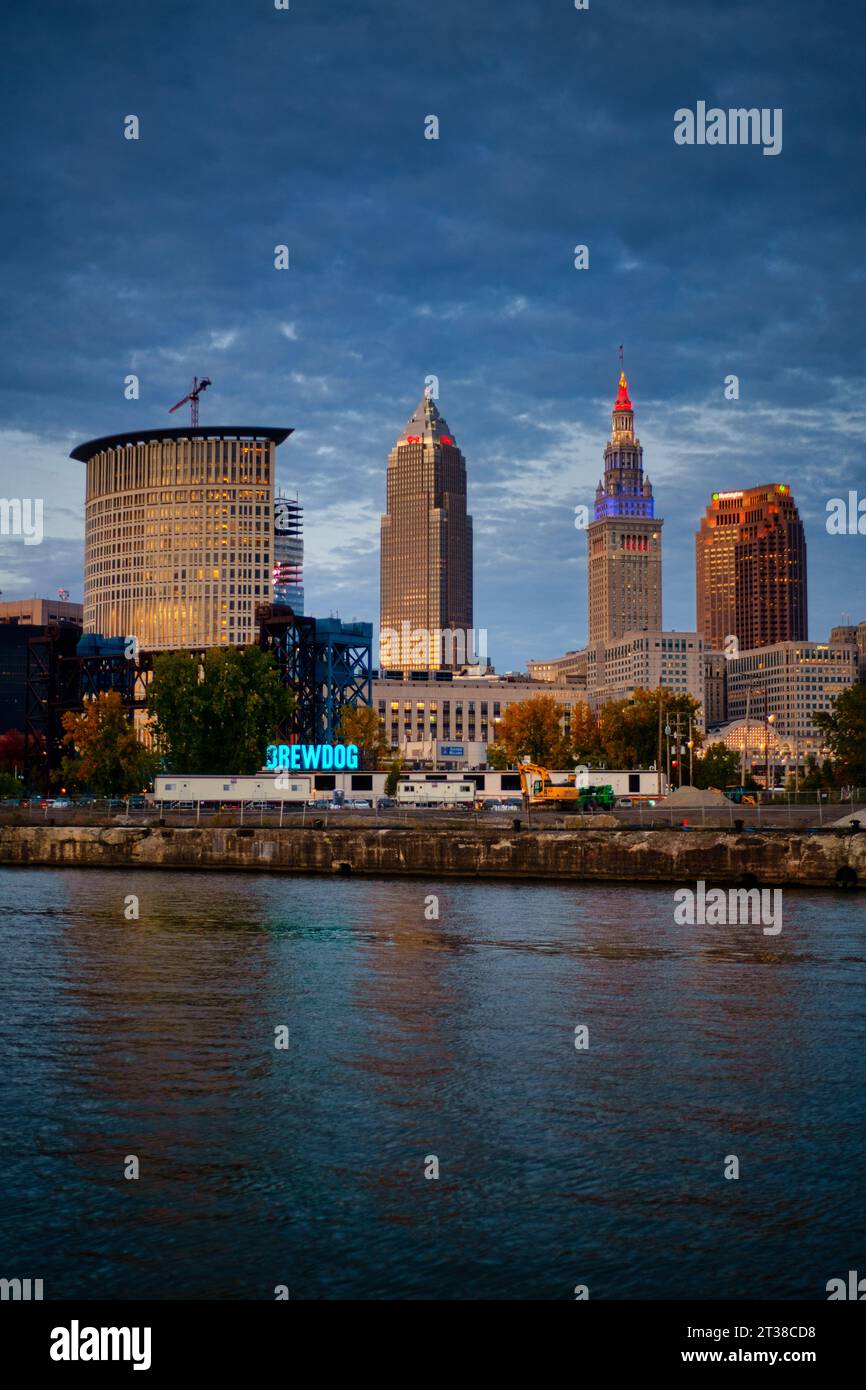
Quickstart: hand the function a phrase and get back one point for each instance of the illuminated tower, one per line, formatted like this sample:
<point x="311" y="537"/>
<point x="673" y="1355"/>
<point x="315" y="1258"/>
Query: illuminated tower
<point x="624" y="565"/>
<point x="178" y="534"/>
<point x="750" y="569"/>
<point x="426" y="559"/>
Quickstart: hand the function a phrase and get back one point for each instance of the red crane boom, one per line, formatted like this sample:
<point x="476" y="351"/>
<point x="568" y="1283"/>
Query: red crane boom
<point x="192" y="396"/>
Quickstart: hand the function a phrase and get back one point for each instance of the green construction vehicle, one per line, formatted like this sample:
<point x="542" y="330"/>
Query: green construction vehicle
<point x="596" y="798"/>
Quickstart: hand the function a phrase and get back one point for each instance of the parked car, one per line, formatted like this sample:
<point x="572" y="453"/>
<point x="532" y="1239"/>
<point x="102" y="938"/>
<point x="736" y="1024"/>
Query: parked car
<point x="385" y="803"/>
<point x="60" y="803"/>
<point x="359" y="805"/>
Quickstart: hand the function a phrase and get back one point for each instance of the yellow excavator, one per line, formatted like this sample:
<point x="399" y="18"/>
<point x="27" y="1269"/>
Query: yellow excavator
<point x="542" y="792"/>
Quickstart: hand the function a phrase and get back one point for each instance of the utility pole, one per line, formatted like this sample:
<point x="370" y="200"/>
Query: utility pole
<point x="745" y="737"/>
<point x="659" y="758"/>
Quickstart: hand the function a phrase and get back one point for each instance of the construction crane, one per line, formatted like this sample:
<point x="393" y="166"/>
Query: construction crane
<point x="192" y="396"/>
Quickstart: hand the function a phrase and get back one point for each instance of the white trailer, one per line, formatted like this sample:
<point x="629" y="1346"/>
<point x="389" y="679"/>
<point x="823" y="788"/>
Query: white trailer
<point x="421" y="793"/>
<point x="172" y="788"/>
<point x="637" y="786"/>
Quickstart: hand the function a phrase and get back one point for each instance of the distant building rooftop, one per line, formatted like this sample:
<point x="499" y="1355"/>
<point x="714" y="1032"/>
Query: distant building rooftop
<point x="83" y="452"/>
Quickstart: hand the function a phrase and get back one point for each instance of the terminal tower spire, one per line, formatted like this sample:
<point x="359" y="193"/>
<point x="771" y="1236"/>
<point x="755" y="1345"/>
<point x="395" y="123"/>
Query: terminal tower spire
<point x="624" y="563"/>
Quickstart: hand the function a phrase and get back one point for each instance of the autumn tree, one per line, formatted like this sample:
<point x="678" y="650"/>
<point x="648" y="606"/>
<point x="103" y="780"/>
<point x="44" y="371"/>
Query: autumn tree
<point x="586" y="745"/>
<point x="219" y="712"/>
<point x="361" y="725"/>
<point x="533" y="729"/>
<point x="105" y="754"/>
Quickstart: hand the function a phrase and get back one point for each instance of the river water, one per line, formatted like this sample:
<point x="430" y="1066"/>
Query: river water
<point x="412" y="1040"/>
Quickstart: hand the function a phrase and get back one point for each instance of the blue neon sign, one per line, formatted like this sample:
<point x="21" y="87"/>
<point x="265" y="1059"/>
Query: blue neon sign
<point x="306" y="756"/>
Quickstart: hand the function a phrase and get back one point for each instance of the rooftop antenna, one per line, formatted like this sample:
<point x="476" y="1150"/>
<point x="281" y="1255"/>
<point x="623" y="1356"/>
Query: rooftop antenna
<point x="192" y="396"/>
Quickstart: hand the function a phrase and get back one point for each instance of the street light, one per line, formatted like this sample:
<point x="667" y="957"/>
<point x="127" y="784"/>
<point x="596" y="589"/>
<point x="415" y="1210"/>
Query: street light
<point x="768" y="720"/>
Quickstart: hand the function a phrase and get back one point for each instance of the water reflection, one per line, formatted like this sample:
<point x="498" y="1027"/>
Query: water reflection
<point x="412" y="1037"/>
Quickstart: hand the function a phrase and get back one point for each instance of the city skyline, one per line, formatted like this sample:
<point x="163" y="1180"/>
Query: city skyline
<point x="705" y="261"/>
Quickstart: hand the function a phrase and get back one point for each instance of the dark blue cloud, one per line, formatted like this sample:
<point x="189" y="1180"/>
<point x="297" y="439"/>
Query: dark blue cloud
<point x="453" y="256"/>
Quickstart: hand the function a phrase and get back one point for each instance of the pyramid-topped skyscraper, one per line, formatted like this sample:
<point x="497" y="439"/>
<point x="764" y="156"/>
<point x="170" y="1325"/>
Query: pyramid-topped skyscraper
<point x="426" y="549"/>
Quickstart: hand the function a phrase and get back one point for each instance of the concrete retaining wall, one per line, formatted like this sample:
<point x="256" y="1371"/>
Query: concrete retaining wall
<point x="831" y="859"/>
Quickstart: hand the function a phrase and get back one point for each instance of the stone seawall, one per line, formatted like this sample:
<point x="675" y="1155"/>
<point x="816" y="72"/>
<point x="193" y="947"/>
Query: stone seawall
<point x="832" y="859"/>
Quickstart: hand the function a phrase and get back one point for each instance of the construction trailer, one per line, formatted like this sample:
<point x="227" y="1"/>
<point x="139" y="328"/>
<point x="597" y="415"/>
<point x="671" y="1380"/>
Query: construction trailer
<point x="422" y="793"/>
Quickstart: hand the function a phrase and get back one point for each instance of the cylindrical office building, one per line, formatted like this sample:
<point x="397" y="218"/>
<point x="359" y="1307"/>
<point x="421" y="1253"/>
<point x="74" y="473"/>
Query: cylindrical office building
<point x="179" y="531"/>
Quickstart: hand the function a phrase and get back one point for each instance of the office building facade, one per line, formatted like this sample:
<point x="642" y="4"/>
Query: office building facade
<point x="426" y="606"/>
<point x="750" y="569"/>
<point x="179" y="533"/>
<point x="570" y="669"/>
<point x="646" y="660"/>
<point x="799" y="678"/>
<point x="624" y="560"/>
<point x="38" y="612"/>
<point x="463" y="712"/>
<point x="289" y="551"/>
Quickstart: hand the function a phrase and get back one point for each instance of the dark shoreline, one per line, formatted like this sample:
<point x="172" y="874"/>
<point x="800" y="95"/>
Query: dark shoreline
<point x="832" y="859"/>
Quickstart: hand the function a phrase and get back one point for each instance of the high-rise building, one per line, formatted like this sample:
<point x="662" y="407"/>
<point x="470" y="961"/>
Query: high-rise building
<point x="646" y="661"/>
<point x="750" y="569"/>
<point x="791" y="681"/>
<point x="624" y="566"/>
<point x="289" y="551"/>
<point x="179" y="534"/>
<point x="426" y="551"/>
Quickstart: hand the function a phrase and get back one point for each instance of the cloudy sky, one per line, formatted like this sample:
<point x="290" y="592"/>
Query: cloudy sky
<point x="452" y="257"/>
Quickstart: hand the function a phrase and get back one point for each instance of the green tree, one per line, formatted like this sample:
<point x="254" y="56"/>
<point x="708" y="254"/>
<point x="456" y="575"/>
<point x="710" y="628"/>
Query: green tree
<point x="397" y="765"/>
<point x="217" y="713"/>
<point x="361" y="725"/>
<point x="497" y="758"/>
<point x="630" y="727"/>
<point x="10" y="786"/>
<point x="844" y="730"/>
<point x="814" y="777"/>
<point x="106" y="756"/>
<point x="719" y="767"/>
